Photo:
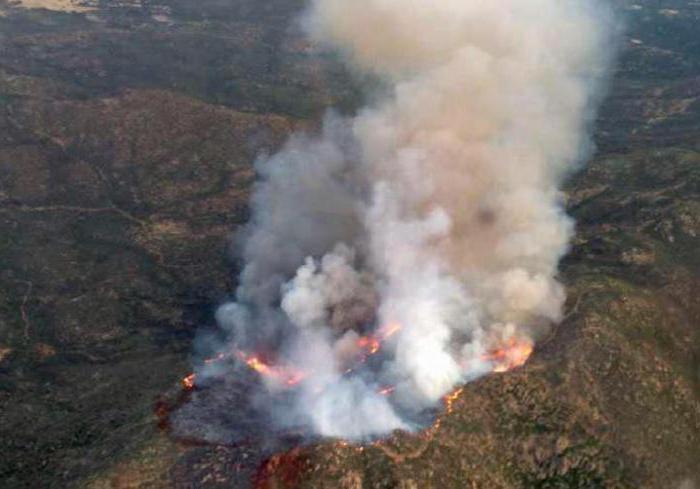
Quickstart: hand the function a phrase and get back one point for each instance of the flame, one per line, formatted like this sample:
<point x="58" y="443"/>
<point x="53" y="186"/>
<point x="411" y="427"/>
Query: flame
<point x="371" y="344"/>
<point x="513" y="354"/>
<point x="256" y="364"/>
<point x="218" y="358"/>
<point x="288" y="376"/>
<point x="367" y="345"/>
<point x="188" y="382"/>
<point x="283" y="375"/>
<point x="450" y="399"/>
<point x="389" y="330"/>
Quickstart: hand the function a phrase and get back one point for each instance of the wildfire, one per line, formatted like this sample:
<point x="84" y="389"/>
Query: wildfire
<point x="288" y="376"/>
<point x="512" y="355"/>
<point x="371" y="344"/>
<point x="450" y="399"/>
<point x="188" y="382"/>
<point x="389" y="330"/>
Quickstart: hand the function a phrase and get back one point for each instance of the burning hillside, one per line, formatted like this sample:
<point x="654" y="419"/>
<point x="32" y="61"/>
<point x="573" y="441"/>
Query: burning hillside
<point x="413" y="247"/>
<point x="511" y="355"/>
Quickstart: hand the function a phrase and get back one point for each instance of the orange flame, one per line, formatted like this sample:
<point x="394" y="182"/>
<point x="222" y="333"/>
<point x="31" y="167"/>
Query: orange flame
<point x="188" y="382"/>
<point x="284" y="375"/>
<point x="389" y="330"/>
<point x="288" y="376"/>
<point x="371" y="344"/>
<point x="450" y="399"/>
<point x="512" y="355"/>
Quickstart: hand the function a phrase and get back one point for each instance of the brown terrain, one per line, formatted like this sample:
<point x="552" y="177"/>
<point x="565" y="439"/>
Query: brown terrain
<point x="128" y="130"/>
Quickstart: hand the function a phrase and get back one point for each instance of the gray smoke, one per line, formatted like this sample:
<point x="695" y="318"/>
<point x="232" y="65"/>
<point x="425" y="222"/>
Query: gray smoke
<point x="435" y="210"/>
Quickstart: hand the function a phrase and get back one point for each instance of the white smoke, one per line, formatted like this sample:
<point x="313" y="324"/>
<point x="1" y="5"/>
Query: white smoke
<point x="436" y="208"/>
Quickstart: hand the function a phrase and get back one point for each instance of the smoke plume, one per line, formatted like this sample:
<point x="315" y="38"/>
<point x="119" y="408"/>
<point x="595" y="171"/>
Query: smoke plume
<point x="409" y="248"/>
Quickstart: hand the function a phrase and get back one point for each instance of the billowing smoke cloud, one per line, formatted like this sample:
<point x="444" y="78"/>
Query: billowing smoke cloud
<point x="431" y="222"/>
